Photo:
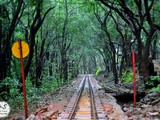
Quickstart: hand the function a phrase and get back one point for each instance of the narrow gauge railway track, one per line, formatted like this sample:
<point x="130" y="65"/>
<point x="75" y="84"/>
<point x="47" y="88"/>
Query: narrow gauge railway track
<point x="85" y="104"/>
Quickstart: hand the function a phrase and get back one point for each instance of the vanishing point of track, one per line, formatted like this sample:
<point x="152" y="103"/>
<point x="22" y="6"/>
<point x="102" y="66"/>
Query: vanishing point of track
<point x="85" y="104"/>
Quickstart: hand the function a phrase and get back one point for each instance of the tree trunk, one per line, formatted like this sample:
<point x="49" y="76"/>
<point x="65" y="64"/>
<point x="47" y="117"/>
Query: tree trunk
<point x="36" y="24"/>
<point x="114" y="69"/>
<point x="154" y="48"/>
<point x="5" y="53"/>
<point x="29" y="61"/>
<point x="84" y="65"/>
<point x="64" y="67"/>
<point x="121" y="66"/>
<point x="144" y="58"/>
<point x="113" y="54"/>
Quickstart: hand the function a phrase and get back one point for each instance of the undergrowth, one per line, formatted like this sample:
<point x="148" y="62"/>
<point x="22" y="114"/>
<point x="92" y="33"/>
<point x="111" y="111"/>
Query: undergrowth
<point x="155" y="89"/>
<point x="14" y="97"/>
<point x="127" y="76"/>
<point x="153" y="81"/>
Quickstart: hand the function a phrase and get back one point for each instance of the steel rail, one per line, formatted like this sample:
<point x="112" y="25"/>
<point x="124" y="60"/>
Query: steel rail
<point x="92" y="100"/>
<point x="79" y="107"/>
<point x="77" y="100"/>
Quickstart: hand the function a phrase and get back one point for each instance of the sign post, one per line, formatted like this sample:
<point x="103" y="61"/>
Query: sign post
<point x="134" y="77"/>
<point x="20" y="49"/>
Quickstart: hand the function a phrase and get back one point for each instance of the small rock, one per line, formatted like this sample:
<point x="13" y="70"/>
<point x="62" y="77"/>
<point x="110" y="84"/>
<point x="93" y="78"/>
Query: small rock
<point x="153" y="114"/>
<point x="54" y="117"/>
<point x="143" y="112"/>
<point x="132" y="118"/>
<point x="137" y="109"/>
<point x="129" y="113"/>
<point x="155" y="109"/>
<point x="152" y="94"/>
<point x="31" y="117"/>
<point x="108" y="108"/>
<point x="144" y="106"/>
<point x="125" y="109"/>
<point x="142" y="119"/>
<point x="20" y="118"/>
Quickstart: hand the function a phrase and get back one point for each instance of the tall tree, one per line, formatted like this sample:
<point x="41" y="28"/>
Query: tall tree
<point x="104" y="27"/>
<point x="135" y="13"/>
<point x="34" y="27"/>
<point x="64" y="46"/>
<point x="5" y="53"/>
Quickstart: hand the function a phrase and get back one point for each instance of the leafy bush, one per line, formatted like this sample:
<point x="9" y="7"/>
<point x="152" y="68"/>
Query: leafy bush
<point x="155" y="78"/>
<point x="49" y="85"/>
<point x="33" y="93"/>
<point x="12" y="95"/>
<point x="153" y="81"/>
<point x="156" y="88"/>
<point x="12" y="85"/>
<point x="127" y="76"/>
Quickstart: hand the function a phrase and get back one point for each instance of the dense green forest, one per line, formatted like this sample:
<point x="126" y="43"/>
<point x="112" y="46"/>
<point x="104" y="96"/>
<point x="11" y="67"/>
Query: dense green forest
<point x="70" y="37"/>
